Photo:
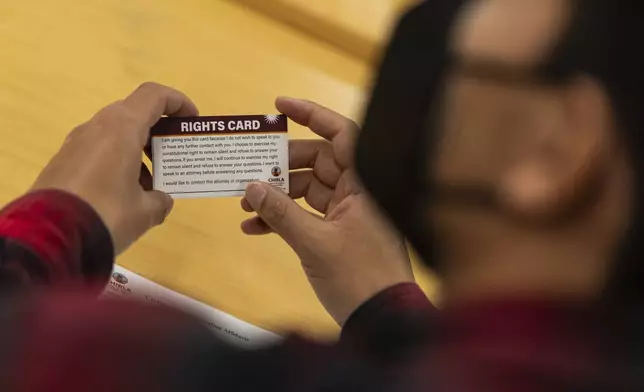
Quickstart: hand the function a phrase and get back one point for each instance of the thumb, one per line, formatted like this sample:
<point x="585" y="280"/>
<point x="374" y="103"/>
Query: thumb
<point x="157" y="206"/>
<point x="281" y="213"/>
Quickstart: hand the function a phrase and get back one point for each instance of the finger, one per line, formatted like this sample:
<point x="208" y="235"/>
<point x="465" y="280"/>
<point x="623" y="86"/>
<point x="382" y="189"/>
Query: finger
<point x="255" y="226"/>
<point x="344" y="149"/>
<point x="305" y="184"/>
<point x="294" y="224"/>
<point x="157" y="206"/>
<point x="304" y="152"/>
<point x="323" y="121"/>
<point x="245" y="205"/>
<point x="150" y="101"/>
<point x="145" y="178"/>
<point x="347" y="186"/>
<point x="316" y="154"/>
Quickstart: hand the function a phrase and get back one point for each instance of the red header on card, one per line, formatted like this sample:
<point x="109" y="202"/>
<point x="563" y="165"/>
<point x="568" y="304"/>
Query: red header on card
<point x="194" y="126"/>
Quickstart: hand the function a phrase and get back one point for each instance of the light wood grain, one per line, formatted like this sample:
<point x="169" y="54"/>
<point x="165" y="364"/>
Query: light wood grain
<point x="358" y="27"/>
<point x="63" y="60"/>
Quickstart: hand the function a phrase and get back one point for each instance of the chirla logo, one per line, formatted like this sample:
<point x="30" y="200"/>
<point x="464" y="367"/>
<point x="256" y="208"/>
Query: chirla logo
<point x="276" y="179"/>
<point x="119" y="278"/>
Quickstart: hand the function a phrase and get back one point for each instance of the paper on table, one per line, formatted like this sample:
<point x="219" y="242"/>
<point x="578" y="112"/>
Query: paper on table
<point x="126" y="284"/>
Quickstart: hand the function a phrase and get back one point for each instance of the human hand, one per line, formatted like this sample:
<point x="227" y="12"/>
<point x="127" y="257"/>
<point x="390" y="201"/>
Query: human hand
<point x="351" y="253"/>
<point x="100" y="162"/>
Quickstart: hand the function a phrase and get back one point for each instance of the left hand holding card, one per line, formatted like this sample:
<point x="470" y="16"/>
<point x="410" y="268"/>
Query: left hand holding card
<point x="100" y="162"/>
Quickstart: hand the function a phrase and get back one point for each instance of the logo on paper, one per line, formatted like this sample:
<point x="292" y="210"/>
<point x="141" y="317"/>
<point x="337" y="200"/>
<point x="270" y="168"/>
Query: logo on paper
<point x="119" y="278"/>
<point x="276" y="172"/>
<point x="118" y="284"/>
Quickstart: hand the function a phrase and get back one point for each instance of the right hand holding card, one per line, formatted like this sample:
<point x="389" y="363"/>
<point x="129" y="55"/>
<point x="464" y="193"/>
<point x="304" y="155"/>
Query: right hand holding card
<point x="350" y="254"/>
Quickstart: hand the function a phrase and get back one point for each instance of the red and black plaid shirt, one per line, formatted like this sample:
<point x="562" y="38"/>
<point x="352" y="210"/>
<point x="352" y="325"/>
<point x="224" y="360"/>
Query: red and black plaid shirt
<point x="56" y="256"/>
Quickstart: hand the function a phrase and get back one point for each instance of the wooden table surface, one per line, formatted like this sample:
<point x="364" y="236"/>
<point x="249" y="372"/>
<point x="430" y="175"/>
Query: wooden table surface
<point x="356" y="26"/>
<point x="63" y="60"/>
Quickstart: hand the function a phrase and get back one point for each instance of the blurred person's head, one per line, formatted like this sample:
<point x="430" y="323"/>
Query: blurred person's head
<point x="520" y="122"/>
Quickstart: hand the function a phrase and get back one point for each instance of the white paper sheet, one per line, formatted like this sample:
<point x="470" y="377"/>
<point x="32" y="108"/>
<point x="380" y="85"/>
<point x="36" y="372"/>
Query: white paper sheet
<point x="126" y="284"/>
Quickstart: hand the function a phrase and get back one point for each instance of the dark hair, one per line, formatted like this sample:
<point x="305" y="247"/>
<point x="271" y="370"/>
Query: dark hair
<point x="601" y="41"/>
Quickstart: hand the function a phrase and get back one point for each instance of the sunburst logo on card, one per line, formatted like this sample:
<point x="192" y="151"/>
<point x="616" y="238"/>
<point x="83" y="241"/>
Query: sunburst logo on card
<point x="272" y="118"/>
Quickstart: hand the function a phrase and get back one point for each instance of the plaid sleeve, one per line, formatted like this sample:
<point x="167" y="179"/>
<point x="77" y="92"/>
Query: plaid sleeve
<point x="71" y="342"/>
<point x="51" y="237"/>
<point x="67" y="340"/>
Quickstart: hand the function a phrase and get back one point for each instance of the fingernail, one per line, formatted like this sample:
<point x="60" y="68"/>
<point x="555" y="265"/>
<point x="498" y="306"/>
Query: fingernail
<point x="255" y="194"/>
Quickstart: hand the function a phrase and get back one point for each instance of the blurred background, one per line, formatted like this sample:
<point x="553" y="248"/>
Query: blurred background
<point x="61" y="61"/>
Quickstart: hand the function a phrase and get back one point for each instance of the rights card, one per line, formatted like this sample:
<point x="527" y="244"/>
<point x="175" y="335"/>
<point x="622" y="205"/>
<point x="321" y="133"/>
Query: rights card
<point x="218" y="156"/>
